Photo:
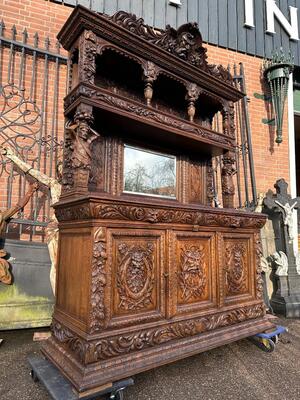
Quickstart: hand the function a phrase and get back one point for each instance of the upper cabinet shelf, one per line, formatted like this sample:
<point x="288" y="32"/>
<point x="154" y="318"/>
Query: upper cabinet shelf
<point x="121" y="65"/>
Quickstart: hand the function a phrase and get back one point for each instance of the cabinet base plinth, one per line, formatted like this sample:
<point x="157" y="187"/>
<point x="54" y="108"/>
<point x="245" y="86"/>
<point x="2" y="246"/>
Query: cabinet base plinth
<point x="90" y="376"/>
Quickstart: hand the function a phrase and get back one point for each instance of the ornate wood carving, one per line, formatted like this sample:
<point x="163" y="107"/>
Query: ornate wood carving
<point x="108" y="348"/>
<point x="185" y="42"/>
<point x="236" y="271"/>
<point x="158" y="215"/>
<point x="98" y="281"/>
<point x="97" y="176"/>
<point x="228" y="170"/>
<point x="258" y="253"/>
<point x="87" y="56"/>
<point x="210" y="185"/>
<point x="137" y="109"/>
<point x="231" y="115"/>
<point x="192" y="279"/>
<point x="157" y="272"/>
<point x="77" y="155"/>
<point x="192" y="95"/>
<point x="135" y="276"/>
<point x="226" y="119"/>
<point x="150" y="74"/>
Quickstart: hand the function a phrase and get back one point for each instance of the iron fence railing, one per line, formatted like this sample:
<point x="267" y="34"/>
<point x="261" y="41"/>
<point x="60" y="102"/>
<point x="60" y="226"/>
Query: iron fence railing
<point x="33" y="82"/>
<point x="246" y="193"/>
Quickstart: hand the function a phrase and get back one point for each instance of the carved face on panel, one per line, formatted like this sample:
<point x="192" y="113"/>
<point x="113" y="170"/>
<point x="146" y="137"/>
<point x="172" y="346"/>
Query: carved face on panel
<point x="192" y="278"/>
<point x="135" y="276"/>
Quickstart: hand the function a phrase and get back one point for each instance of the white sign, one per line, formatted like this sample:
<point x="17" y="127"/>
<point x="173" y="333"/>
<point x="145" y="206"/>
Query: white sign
<point x="272" y="11"/>
<point x="175" y="2"/>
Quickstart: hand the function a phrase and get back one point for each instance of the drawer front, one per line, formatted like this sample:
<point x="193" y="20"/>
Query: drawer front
<point x="238" y="267"/>
<point x="137" y="276"/>
<point x="193" y="271"/>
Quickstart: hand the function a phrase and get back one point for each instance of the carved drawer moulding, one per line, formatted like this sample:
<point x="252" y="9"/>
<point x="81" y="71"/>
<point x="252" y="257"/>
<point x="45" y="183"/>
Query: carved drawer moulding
<point x="115" y="209"/>
<point x="152" y="266"/>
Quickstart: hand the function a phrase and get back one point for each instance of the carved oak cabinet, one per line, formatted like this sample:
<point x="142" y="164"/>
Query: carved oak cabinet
<point x="150" y="269"/>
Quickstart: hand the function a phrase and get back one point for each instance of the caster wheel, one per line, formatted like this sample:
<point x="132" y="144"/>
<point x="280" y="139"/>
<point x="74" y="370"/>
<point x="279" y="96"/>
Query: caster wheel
<point x="34" y="376"/>
<point x="119" y="395"/>
<point x="268" y="345"/>
<point x="275" y="339"/>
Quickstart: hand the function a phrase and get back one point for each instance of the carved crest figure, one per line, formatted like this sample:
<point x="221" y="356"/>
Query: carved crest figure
<point x="281" y="261"/>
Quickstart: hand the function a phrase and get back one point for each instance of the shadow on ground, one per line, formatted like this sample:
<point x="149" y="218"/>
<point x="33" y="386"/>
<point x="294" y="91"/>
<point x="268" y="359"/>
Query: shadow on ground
<point x="239" y="371"/>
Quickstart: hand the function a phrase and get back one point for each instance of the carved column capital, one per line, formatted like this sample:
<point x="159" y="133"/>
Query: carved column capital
<point x="150" y="74"/>
<point x="193" y="92"/>
<point x="150" y="71"/>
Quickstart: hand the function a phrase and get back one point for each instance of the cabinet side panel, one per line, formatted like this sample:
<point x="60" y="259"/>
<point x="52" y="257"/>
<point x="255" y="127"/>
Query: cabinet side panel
<point x="73" y="273"/>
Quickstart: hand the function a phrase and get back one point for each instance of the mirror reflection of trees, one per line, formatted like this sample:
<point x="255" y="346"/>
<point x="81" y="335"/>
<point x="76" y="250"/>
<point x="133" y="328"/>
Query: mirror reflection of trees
<point x="149" y="173"/>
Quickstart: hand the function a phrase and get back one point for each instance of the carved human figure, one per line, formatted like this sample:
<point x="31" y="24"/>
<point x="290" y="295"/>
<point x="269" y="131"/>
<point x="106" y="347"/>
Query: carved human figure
<point x="288" y="216"/>
<point x="260" y="203"/>
<point x="78" y="156"/>
<point x="5" y="216"/>
<point x="55" y="191"/>
<point x="281" y="261"/>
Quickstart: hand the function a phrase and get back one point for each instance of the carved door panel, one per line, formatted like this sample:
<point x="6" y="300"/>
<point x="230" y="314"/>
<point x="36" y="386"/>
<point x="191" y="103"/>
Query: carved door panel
<point x="192" y="273"/>
<point x="137" y="268"/>
<point x="237" y="268"/>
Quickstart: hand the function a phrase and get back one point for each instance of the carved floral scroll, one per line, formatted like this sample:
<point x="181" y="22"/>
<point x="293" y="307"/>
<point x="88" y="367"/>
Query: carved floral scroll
<point x="236" y="271"/>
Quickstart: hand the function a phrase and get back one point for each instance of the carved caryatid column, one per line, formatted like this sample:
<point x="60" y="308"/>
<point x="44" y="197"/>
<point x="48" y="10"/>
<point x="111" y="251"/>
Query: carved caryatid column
<point x="228" y="119"/>
<point x="193" y="92"/>
<point x="77" y="157"/>
<point x="87" y="57"/>
<point x="228" y="170"/>
<point x="150" y="73"/>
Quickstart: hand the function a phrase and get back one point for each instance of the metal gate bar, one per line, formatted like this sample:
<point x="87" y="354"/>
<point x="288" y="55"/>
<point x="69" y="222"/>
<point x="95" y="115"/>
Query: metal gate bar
<point x="39" y="143"/>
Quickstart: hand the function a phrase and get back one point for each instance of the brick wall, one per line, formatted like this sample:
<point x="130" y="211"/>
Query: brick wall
<point x="271" y="160"/>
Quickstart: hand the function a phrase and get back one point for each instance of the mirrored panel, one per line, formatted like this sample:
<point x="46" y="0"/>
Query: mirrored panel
<point x="149" y="173"/>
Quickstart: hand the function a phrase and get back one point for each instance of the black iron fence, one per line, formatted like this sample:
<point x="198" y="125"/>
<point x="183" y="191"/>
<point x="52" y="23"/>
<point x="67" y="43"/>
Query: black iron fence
<point x="33" y="82"/>
<point x="246" y="194"/>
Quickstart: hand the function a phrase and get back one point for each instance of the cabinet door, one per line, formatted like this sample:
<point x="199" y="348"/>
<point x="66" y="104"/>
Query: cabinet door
<point x="192" y="270"/>
<point x="137" y="272"/>
<point x="237" y="267"/>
